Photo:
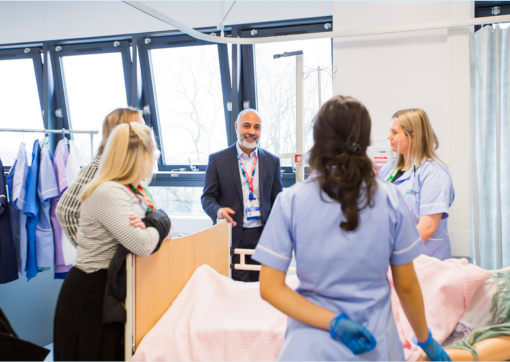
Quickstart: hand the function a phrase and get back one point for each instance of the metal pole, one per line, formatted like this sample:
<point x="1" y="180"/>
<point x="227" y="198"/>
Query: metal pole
<point x="300" y="168"/>
<point x="449" y="24"/>
<point x="91" y="147"/>
<point x="46" y="131"/>
<point x="319" y="83"/>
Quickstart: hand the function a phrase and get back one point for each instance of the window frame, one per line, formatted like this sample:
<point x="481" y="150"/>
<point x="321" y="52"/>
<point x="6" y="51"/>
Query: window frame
<point x="139" y="85"/>
<point x="149" y="90"/>
<point x="484" y="9"/>
<point x="249" y="76"/>
<point x="61" y="50"/>
<point x="35" y="55"/>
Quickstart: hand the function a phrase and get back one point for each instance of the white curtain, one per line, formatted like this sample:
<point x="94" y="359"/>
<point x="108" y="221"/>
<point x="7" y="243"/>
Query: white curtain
<point x="490" y="156"/>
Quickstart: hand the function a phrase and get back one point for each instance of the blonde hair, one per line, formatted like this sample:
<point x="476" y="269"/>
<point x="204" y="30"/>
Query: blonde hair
<point x="423" y="141"/>
<point x="113" y="119"/>
<point x="128" y="150"/>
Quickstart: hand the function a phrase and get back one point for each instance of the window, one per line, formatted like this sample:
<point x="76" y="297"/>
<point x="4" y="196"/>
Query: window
<point x="179" y="200"/>
<point x="189" y="101"/>
<point x="94" y="83"/>
<point x="276" y="91"/>
<point x="20" y="103"/>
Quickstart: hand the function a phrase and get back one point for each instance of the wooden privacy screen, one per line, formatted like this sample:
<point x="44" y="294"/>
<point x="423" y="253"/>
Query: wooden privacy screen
<point x="161" y="277"/>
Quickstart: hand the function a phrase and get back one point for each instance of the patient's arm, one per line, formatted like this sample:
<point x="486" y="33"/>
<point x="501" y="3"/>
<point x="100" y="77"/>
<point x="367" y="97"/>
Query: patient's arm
<point x="491" y="349"/>
<point x="274" y="290"/>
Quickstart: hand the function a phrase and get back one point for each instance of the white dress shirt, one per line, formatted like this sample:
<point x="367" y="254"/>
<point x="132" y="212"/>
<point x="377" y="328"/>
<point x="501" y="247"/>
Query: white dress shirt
<point x="248" y="168"/>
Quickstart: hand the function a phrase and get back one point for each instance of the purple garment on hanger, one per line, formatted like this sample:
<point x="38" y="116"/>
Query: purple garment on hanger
<point x="59" y="166"/>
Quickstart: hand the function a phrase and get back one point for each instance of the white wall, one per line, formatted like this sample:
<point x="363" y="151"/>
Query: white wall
<point x="28" y="21"/>
<point x="428" y="69"/>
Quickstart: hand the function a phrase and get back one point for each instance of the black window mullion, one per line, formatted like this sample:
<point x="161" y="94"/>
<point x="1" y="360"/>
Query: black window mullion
<point x="128" y="75"/>
<point x="60" y="96"/>
<point x="226" y="85"/>
<point x="49" y="95"/>
<point x="249" y="80"/>
<point x="149" y="96"/>
<point x="136" y="87"/>
<point x="237" y="102"/>
<point x="38" y="71"/>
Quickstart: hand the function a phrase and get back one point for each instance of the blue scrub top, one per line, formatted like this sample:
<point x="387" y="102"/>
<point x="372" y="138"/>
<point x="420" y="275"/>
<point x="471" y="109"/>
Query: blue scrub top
<point x="344" y="272"/>
<point x="32" y="212"/>
<point x="427" y="191"/>
<point x="47" y="188"/>
<point x="18" y="197"/>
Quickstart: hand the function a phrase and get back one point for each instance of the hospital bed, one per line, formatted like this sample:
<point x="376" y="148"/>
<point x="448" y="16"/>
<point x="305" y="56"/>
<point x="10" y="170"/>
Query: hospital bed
<point x="154" y="283"/>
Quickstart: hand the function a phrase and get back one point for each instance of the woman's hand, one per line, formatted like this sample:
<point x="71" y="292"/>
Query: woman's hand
<point x="137" y="222"/>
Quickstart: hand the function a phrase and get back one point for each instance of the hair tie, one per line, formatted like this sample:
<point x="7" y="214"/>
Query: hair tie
<point x="351" y="148"/>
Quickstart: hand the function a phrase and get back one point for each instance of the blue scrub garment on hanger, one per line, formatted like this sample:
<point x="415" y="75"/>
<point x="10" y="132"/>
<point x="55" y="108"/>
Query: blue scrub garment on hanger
<point x="32" y="212"/>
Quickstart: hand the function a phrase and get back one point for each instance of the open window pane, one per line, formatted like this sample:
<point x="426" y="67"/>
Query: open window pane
<point x="190" y="103"/>
<point x="20" y="105"/>
<point x="94" y="87"/>
<point x="276" y="91"/>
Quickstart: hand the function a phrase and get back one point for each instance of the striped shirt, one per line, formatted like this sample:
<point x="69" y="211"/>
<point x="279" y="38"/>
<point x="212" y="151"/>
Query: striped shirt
<point x="104" y="224"/>
<point x="69" y="206"/>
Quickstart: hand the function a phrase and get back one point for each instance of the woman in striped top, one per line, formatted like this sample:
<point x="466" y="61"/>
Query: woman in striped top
<point x="108" y="203"/>
<point x="69" y="206"/>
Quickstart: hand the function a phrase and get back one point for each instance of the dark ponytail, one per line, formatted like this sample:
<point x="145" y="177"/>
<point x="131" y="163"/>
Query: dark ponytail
<point x="341" y="135"/>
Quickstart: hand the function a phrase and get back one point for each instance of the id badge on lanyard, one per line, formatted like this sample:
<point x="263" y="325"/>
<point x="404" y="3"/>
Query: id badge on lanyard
<point x="252" y="205"/>
<point x="252" y="209"/>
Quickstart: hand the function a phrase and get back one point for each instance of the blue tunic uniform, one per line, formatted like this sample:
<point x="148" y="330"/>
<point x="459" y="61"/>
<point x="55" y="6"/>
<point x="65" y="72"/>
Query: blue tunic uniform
<point x="47" y="188"/>
<point x="340" y="271"/>
<point x="427" y="191"/>
<point x="17" y="181"/>
<point x="31" y="211"/>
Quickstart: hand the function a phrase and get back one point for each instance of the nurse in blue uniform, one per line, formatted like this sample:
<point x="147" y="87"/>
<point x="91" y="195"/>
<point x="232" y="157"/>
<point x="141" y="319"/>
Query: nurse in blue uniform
<point x="422" y="178"/>
<point x="346" y="229"/>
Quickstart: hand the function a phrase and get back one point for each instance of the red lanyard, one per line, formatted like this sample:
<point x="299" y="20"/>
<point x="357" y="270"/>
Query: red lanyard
<point x="140" y="191"/>
<point x="249" y="179"/>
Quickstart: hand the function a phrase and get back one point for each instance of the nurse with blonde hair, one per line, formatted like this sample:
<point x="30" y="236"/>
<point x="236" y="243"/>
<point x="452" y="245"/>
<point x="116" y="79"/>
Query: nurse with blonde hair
<point x="422" y="178"/>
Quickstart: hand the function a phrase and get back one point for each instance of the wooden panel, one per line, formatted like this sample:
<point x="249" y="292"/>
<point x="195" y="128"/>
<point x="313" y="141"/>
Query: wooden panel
<point x="162" y="276"/>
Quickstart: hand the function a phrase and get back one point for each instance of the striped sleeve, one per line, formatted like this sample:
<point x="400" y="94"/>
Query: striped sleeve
<point x="110" y="205"/>
<point x="69" y="206"/>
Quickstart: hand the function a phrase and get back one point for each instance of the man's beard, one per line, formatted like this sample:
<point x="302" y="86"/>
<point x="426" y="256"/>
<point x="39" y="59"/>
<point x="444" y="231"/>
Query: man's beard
<point x="244" y="143"/>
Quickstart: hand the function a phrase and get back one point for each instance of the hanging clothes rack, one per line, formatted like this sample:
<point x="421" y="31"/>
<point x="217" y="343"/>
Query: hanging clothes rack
<point x="62" y="131"/>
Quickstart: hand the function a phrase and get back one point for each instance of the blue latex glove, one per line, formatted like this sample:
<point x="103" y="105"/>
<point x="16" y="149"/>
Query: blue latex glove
<point x="433" y="350"/>
<point x="356" y="337"/>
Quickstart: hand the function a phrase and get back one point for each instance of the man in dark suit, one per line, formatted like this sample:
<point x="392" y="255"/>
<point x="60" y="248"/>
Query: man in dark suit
<point x="241" y="185"/>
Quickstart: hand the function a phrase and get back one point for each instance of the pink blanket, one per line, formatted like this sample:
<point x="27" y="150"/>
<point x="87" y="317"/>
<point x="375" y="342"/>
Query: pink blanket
<point x="215" y="318"/>
<point x="447" y="287"/>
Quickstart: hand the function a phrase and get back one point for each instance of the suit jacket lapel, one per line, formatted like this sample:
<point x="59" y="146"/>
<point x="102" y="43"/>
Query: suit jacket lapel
<point x="262" y="165"/>
<point x="234" y="167"/>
